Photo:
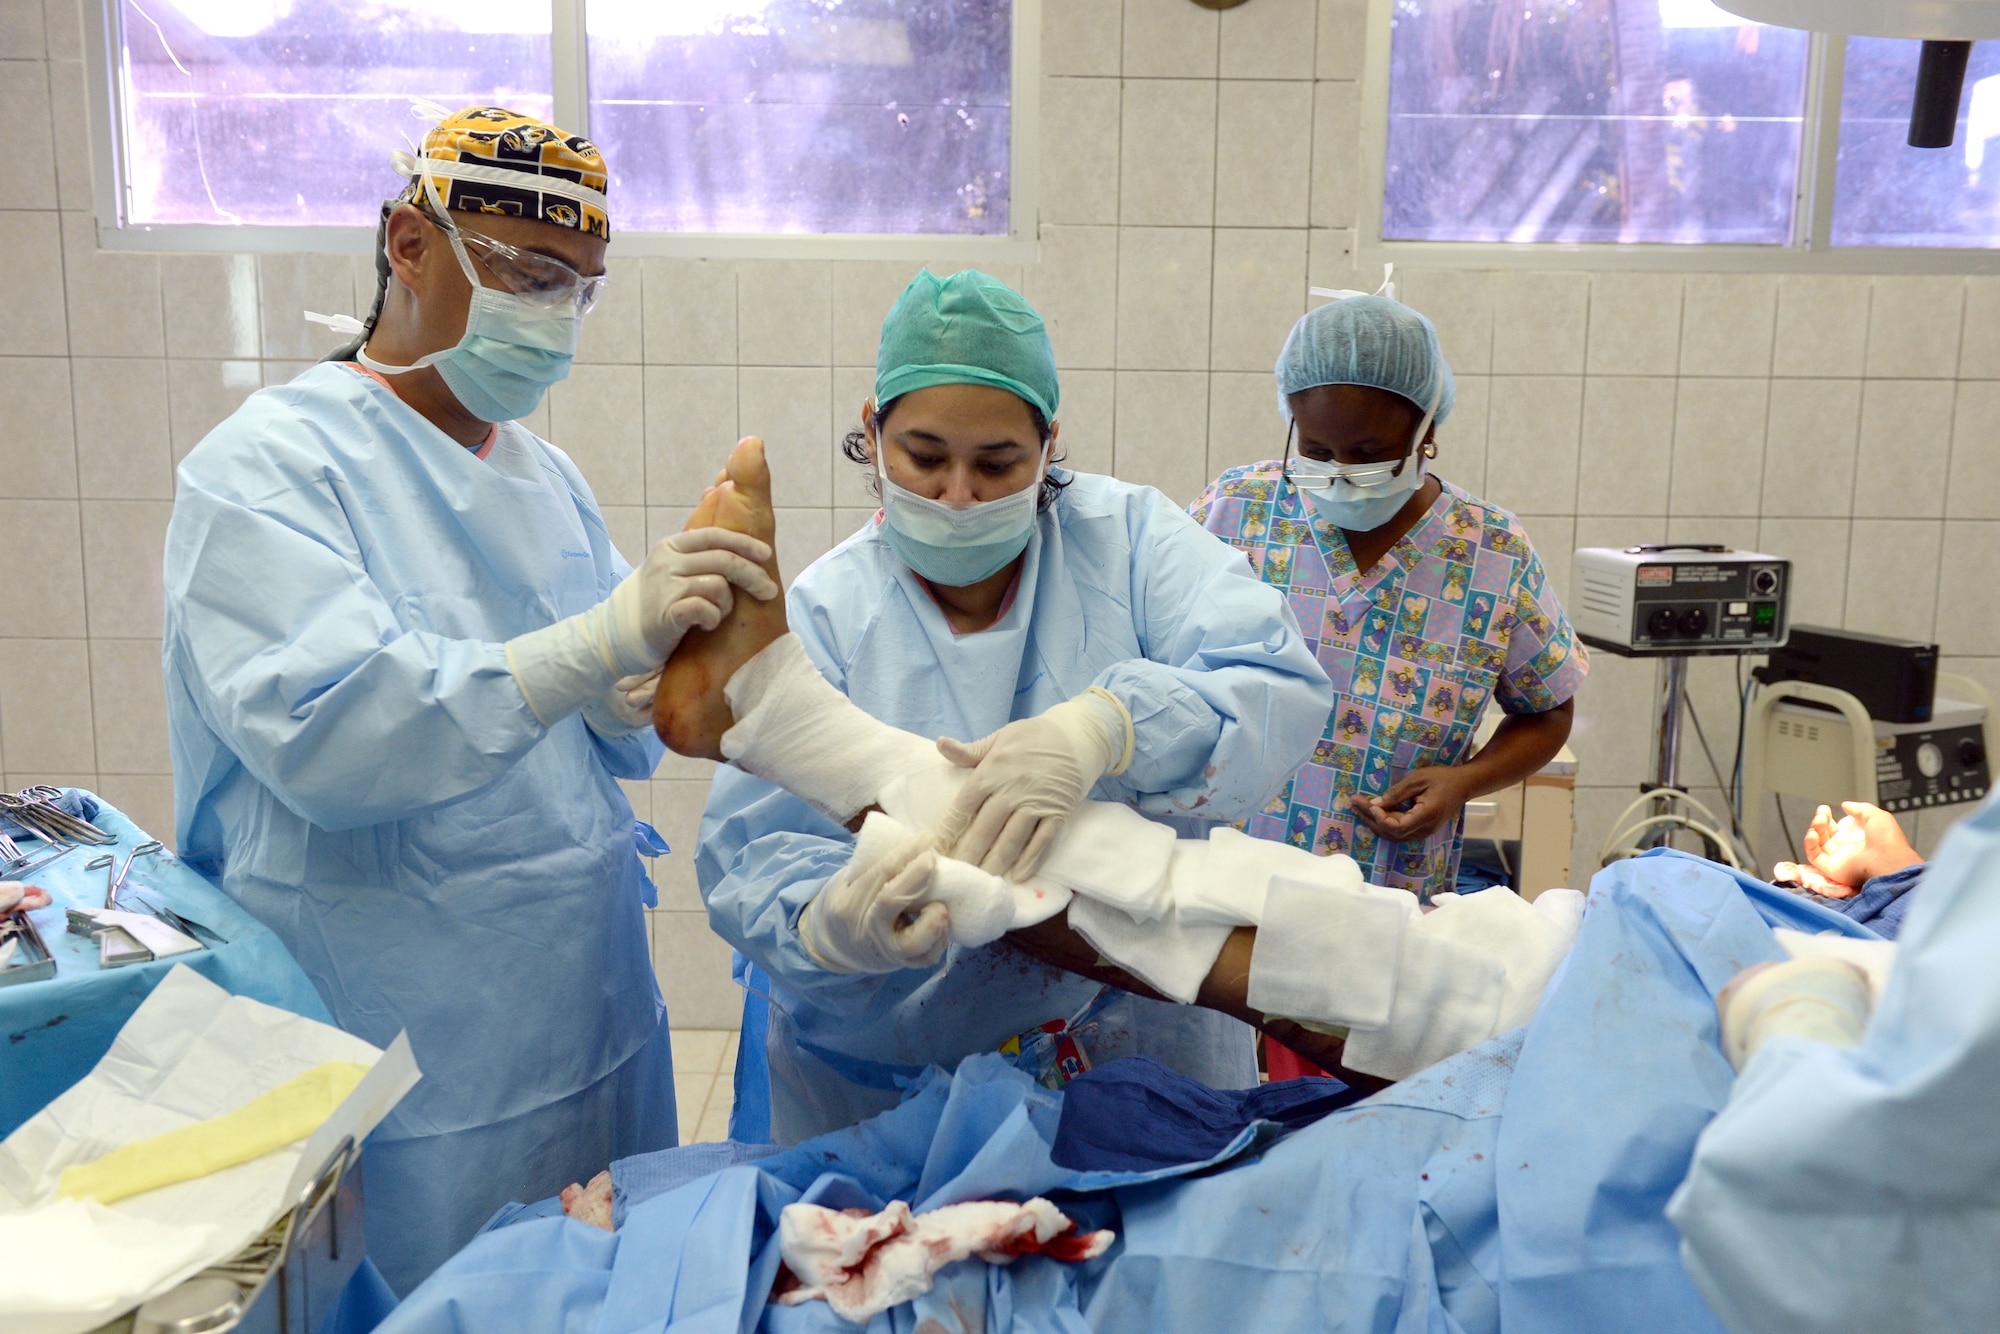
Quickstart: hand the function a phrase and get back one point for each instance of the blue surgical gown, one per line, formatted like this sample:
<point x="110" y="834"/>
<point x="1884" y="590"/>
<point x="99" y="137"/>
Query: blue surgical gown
<point x="1859" y="1189"/>
<point x="1119" y="589"/>
<point x="355" y="764"/>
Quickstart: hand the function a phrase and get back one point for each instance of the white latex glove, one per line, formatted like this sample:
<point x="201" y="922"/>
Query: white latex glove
<point x="872" y="918"/>
<point x="625" y="708"/>
<point x="1819" y="997"/>
<point x="1028" y="777"/>
<point x="685" y="582"/>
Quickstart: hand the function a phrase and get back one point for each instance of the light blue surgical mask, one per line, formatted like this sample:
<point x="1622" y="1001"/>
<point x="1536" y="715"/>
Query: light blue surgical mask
<point x="957" y="545"/>
<point x="512" y="349"/>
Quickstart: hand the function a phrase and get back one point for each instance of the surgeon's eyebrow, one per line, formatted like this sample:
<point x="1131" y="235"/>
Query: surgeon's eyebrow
<point x="917" y="433"/>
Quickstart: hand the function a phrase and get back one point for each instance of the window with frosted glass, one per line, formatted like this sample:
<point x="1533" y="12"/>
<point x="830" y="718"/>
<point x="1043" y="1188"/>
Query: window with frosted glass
<point x="1591" y="120"/>
<point x="1887" y="193"/>
<point x="286" y="111"/>
<point x="804" y="116"/>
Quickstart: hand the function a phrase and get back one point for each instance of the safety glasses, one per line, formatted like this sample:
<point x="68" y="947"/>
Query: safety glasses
<point x="537" y="278"/>
<point x="1314" y="475"/>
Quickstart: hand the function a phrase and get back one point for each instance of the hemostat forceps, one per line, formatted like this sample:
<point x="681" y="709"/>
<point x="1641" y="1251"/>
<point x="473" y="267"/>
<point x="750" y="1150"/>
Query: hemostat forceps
<point x="112" y="884"/>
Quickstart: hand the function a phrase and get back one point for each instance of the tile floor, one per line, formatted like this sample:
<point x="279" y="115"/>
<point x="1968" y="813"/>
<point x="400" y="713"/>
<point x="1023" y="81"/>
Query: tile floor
<point x="704" y="1063"/>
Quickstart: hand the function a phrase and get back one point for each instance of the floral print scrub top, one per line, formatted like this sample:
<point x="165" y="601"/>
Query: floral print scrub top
<point x="1457" y="612"/>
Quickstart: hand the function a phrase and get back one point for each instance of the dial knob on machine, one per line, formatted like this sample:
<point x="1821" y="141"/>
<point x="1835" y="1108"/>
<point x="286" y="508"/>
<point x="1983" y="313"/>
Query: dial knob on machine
<point x="1930" y="760"/>
<point x="1661" y="623"/>
<point x="1694" y="621"/>
<point x="1970" y="753"/>
<point x="1764" y="580"/>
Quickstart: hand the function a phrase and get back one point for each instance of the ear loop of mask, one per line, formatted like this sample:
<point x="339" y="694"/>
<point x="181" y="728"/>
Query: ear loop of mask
<point x="883" y="481"/>
<point x="1418" y="447"/>
<point x="450" y="229"/>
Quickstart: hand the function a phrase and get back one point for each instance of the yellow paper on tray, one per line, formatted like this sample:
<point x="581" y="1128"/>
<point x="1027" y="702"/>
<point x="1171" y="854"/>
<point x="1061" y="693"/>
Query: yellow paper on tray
<point x="288" y="1113"/>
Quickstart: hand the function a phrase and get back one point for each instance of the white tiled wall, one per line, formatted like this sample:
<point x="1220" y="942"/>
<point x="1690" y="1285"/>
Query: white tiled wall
<point x="1198" y="170"/>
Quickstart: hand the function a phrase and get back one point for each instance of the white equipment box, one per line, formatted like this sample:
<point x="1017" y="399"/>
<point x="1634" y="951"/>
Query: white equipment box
<point x="1681" y="600"/>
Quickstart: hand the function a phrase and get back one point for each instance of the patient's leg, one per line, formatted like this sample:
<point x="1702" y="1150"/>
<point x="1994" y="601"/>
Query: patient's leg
<point x="1225" y="989"/>
<point x="690" y="712"/>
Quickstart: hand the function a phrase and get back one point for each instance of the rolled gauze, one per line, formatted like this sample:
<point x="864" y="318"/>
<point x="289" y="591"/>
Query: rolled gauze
<point x="1106" y="851"/>
<point x="1447" y="999"/>
<point x="1328" y="954"/>
<point x="1168" y="955"/>
<point x="1229" y="891"/>
<point x="982" y="907"/>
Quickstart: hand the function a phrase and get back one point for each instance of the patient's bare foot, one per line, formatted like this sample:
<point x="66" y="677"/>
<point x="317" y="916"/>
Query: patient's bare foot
<point x="689" y="712"/>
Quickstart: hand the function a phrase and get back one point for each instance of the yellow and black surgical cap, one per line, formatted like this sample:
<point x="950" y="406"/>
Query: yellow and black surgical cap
<point x="492" y="160"/>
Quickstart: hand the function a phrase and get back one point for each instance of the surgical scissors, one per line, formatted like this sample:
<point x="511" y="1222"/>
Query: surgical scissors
<point x="107" y="859"/>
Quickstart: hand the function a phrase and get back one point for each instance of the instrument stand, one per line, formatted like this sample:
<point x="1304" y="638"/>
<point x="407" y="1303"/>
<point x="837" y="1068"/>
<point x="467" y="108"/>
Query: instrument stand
<point x="1667" y="752"/>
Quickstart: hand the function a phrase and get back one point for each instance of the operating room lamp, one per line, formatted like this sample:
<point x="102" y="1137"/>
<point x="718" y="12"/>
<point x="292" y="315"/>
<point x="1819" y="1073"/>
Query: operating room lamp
<point x="1947" y="29"/>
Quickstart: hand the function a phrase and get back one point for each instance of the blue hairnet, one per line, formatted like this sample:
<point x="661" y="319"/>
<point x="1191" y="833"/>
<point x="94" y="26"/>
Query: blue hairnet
<point x="1366" y="340"/>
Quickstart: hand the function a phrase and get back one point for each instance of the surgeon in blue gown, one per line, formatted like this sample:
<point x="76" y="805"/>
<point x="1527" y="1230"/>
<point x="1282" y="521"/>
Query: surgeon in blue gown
<point x="406" y="668"/>
<point x="1079" y="634"/>
<point x="1852" y="1183"/>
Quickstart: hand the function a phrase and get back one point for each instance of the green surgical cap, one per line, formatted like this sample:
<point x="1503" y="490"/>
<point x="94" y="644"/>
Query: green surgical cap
<point x="966" y="329"/>
<point x="1366" y="340"/>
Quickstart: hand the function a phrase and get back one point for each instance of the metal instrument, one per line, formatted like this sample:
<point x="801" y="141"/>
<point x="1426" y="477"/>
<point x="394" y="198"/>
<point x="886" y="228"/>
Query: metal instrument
<point x="113" y="884"/>
<point x="288" y="1281"/>
<point x="187" y="926"/>
<point x="29" y="959"/>
<point x="35" y="809"/>
<point x="13" y="871"/>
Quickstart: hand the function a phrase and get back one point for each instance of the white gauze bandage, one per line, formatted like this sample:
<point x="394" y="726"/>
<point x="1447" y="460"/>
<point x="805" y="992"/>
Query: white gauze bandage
<point x="1106" y="851"/>
<point x="1875" y="958"/>
<point x="1822" y="997"/>
<point x="1231" y="891"/>
<point x="1447" y="999"/>
<point x="1529" y="940"/>
<point x="1167" y="954"/>
<point x="794" y="729"/>
<point x="982" y="907"/>
<point x="1328" y="954"/>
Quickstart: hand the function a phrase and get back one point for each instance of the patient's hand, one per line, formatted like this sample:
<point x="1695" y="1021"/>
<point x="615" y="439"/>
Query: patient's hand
<point x="1842" y="857"/>
<point x="689" y="712"/>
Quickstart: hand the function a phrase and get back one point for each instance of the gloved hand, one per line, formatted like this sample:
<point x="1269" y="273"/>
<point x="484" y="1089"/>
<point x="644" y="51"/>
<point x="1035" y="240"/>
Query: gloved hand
<point x="684" y="582"/>
<point x="867" y="919"/>
<point x="1841" y="858"/>
<point x="1818" y="997"/>
<point x="625" y="708"/>
<point x="687" y="580"/>
<point x="1028" y="777"/>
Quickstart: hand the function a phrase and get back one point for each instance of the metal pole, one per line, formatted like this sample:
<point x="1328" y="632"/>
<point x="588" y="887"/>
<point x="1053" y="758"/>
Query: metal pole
<point x="1673" y="690"/>
<point x="1667" y="762"/>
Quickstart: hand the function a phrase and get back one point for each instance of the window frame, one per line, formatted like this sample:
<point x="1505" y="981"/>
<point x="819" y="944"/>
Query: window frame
<point x="1811" y="249"/>
<point x="570" y="73"/>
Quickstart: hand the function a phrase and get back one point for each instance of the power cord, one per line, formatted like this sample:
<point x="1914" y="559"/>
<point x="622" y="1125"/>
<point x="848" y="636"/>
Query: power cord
<point x="1715" y="770"/>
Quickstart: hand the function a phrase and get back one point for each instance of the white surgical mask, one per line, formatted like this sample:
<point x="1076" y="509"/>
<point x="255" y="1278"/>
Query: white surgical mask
<point x="957" y="545"/>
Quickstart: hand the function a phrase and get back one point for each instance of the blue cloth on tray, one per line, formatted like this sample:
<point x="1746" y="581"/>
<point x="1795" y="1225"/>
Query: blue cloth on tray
<point x="1521" y="1183"/>
<point x="52" y="1033"/>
